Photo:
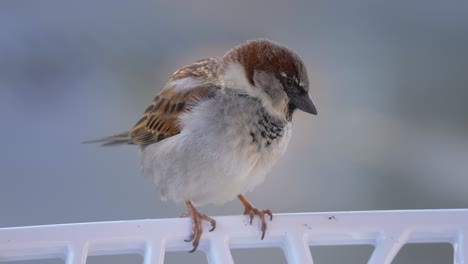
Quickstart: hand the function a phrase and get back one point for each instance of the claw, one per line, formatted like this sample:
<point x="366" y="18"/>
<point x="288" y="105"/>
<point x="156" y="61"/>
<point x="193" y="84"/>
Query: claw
<point x="252" y="211"/>
<point x="197" y="225"/>
<point x="192" y="236"/>
<point x="213" y="225"/>
<point x="264" y="226"/>
<point x="268" y="212"/>
<point x="212" y="221"/>
<point x="251" y="215"/>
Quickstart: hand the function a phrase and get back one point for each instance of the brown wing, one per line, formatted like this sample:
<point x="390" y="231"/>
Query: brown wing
<point x="161" y="118"/>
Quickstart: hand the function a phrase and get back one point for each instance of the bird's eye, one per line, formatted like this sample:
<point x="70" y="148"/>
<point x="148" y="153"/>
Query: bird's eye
<point x="289" y="82"/>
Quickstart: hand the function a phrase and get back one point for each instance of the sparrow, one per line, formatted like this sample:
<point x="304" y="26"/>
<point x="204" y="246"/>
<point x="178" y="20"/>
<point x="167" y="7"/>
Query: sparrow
<point x="218" y="126"/>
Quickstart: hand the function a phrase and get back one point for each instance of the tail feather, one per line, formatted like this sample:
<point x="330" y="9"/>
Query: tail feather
<point x="117" y="139"/>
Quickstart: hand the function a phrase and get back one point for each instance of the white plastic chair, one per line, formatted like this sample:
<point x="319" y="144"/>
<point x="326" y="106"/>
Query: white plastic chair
<point x="388" y="231"/>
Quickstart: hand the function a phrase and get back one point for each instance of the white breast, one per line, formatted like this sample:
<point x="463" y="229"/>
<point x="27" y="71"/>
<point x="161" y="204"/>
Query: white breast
<point x="213" y="159"/>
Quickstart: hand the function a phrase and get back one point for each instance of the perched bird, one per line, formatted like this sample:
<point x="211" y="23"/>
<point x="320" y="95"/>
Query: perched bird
<point x="219" y="125"/>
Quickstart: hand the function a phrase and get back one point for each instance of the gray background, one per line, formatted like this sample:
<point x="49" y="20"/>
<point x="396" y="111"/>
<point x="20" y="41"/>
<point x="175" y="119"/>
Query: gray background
<point x="390" y="80"/>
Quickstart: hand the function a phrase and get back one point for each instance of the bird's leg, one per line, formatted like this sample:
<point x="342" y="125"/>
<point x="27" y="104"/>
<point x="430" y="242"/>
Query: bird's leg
<point x="252" y="211"/>
<point x="197" y="225"/>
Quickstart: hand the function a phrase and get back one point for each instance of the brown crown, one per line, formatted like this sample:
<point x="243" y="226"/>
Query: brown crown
<point x="265" y="55"/>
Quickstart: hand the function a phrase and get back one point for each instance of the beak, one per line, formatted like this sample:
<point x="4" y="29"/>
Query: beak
<point x="304" y="102"/>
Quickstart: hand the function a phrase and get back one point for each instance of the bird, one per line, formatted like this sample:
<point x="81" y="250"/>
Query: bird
<point x="218" y="126"/>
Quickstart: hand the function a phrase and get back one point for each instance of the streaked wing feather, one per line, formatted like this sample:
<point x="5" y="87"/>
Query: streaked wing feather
<point x="161" y="118"/>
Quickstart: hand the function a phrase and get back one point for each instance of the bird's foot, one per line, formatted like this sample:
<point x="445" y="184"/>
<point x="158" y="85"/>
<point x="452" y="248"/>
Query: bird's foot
<point x="252" y="212"/>
<point x="197" y="225"/>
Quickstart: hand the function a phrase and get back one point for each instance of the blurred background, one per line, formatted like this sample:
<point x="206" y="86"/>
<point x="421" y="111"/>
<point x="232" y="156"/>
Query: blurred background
<point x="390" y="80"/>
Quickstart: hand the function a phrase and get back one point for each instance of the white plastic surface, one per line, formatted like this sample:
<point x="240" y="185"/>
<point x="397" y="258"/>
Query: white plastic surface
<point x="294" y="233"/>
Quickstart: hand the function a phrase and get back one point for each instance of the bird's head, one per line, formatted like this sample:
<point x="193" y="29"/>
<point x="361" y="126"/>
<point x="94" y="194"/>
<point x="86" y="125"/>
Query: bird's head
<point x="271" y="73"/>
